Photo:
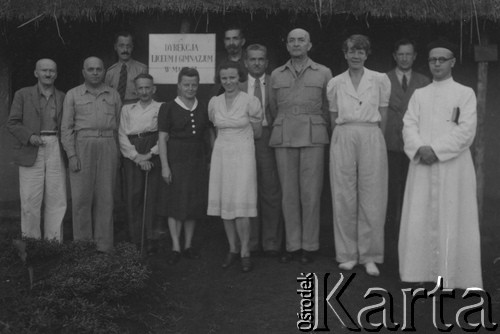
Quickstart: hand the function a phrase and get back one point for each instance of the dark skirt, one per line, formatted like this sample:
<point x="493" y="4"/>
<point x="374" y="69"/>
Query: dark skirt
<point x="186" y="197"/>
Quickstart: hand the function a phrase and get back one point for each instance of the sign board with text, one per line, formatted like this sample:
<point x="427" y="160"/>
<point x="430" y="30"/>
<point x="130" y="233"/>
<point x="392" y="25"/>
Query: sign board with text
<point x="168" y="53"/>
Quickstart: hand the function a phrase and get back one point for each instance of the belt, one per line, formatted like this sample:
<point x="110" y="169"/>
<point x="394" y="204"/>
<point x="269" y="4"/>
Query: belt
<point x="144" y="134"/>
<point x="359" y="124"/>
<point x="96" y="132"/>
<point x="48" y="133"/>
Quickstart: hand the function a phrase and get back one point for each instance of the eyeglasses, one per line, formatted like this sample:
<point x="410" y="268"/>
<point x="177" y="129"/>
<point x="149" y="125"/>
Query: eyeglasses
<point x="441" y="60"/>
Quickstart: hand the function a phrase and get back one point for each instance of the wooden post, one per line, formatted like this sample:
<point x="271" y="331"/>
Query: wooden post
<point x="483" y="54"/>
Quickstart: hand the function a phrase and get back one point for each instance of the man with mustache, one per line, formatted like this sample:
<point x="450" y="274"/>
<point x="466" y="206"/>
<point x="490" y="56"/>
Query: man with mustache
<point x="35" y="120"/>
<point x="234" y="40"/>
<point x="121" y="75"/>
<point x="138" y="137"/>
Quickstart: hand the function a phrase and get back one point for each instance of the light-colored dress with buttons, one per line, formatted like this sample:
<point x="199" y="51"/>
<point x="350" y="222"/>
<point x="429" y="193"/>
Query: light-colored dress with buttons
<point x="233" y="174"/>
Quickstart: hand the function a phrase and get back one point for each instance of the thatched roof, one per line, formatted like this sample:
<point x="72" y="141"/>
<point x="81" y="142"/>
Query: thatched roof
<point x="438" y="10"/>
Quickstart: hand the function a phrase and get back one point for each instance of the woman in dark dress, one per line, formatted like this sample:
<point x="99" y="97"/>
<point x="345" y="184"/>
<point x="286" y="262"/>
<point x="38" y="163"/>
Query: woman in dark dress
<point x="182" y="124"/>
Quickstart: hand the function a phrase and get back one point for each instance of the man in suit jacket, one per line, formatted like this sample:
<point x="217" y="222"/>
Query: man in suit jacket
<point x="404" y="81"/>
<point x="267" y="229"/>
<point x="35" y="119"/>
<point x="300" y="133"/>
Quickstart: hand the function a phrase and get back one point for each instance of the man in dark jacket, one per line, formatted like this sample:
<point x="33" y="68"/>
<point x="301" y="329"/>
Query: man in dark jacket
<point x="404" y="81"/>
<point x="35" y="119"/>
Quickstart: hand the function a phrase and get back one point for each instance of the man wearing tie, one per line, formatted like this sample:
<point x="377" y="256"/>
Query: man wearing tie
<point x="267" y="229"/>
<point x="121" y="75"/>
<point x="404" y="81"/>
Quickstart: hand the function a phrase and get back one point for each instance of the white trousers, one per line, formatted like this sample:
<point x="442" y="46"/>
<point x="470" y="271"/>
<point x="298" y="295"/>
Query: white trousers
<point x="45" y="182"/>
<point x="358" y="175"/>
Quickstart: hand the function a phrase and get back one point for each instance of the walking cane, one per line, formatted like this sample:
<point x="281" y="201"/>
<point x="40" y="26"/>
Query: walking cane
<point x="145" y="198"/>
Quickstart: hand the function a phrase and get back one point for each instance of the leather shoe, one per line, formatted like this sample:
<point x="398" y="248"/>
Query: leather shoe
<point x="230" y="260"/>
<point x="246" y="264"/>
<point x="287" y="257"/>
<point x="271" y="253"/>
<point x="174" y="257"/>
<point x="191" y="253"/>
<point x="306" y="257"/>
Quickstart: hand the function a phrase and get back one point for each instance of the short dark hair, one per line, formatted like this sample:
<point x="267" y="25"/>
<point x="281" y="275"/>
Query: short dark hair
<point x="234" y="26"/>
<point x="359" y="42"/>
<point x="256" y="47"/>
<point x="227" y="64"/>
<point x="123" y="33"/>
<point x="188" y="72"/>
<point x="405" y="41"/>
<point x="144" y="76"/>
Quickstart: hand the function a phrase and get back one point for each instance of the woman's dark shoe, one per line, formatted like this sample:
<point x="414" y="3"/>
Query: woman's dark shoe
<point x="230" y="260"/>
<point x="191" y="253"/>
<point x="246" y="264"/>
<point x="175" y="256"/>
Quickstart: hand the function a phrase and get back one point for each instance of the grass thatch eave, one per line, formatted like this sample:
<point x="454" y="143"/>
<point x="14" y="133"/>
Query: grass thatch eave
<point x="435" y="10"/>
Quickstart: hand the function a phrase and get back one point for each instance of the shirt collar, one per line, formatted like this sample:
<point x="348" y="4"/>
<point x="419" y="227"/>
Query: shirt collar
<point x="400" y="73"/>
<point x="128" y="63"/>
<point x="309" y="63"/>
<point x="52" y="90"/>
<point x="180" y="103"/>
<point x="139" y="105"/>
<point x="102" y="89"/>
<point x="251" y="79"/>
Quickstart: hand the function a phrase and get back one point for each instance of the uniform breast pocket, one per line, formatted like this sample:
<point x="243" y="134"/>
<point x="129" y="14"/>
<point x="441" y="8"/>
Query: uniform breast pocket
<point x="313" y="89"/>
<point x="109" y="106"/>
<point x="282" y="88"/>
<point x="83" y="107"/>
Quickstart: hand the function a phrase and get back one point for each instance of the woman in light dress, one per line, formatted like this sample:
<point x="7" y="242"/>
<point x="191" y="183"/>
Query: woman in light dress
<point x="237" y="117"/>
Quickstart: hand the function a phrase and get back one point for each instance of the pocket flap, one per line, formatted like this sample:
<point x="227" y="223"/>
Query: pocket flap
<point x="313" y="83"/>
<point x="278" y="120"/>
<point x="281" y="83"/>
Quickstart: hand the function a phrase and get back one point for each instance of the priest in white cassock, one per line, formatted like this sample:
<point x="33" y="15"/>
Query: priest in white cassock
<point x="439" y="233"/>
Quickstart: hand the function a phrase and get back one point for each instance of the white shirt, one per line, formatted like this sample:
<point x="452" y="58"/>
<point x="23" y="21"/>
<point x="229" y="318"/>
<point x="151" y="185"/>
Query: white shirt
<point x="135" y="119"/>
<point x="399" y="75"/>
<point x="359" y="105"/>
<point x="251" y="89"/>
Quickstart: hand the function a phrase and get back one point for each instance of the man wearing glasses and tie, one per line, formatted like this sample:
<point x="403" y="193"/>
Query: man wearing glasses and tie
<point x="404" y="81"/>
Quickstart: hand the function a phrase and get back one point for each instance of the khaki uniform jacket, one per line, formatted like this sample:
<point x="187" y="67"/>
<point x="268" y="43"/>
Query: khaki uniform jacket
<point x="299" y="106"/>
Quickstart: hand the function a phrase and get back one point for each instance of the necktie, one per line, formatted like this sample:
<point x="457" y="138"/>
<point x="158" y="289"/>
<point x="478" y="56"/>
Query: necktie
<point x="404" y="84"/>
<point x="257" y="92"/>
<point x="122" y="82"/>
